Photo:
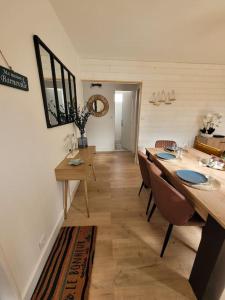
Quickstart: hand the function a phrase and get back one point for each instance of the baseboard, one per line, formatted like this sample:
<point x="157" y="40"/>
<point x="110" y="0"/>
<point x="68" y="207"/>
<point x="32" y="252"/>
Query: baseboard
<point x="46" y="251"/>
<point x="42" y="260"/>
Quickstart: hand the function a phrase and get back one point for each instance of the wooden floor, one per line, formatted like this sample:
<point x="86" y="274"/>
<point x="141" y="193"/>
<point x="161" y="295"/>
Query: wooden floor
<point x="127" y="263"/>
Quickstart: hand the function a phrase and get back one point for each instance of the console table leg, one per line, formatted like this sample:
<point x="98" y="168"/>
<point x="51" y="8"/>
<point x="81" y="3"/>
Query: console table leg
<point x="86" y="197"/>
<point x="93" y="170"/>
<point x="65" y="198"/>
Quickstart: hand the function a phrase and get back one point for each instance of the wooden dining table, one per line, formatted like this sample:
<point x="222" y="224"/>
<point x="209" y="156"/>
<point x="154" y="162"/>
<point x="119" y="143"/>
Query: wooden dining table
<point x="207" y="277"/>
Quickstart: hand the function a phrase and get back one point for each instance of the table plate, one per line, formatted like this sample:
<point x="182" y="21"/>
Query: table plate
<point x="165" y="155"/>
<point x="192" y="177"/>
<point x="212" y="185"/>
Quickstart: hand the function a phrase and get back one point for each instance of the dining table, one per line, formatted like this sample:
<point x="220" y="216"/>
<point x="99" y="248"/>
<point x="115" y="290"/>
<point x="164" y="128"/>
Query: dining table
<point x="207" y="277"/>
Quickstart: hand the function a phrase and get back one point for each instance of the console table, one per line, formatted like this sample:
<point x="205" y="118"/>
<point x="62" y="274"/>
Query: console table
<point x="65" y="172"/>
<point x="218" y="143"/>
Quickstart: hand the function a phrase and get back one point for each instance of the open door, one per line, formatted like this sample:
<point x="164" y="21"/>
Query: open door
<point x="126" y="122"/>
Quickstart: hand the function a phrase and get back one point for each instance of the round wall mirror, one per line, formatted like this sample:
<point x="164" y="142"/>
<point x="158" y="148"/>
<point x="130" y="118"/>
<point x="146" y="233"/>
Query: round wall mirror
<point x="98" y="105"/>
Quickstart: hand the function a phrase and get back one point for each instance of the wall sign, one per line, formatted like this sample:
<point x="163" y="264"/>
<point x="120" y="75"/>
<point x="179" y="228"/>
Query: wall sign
<point x="13" y="79"/>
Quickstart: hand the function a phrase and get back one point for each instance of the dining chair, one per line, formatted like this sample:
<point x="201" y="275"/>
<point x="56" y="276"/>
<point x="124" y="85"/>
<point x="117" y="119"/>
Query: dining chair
<point x="146" y="181"/>
<point x="164" y="143"/>
<point x="173" y="206"/>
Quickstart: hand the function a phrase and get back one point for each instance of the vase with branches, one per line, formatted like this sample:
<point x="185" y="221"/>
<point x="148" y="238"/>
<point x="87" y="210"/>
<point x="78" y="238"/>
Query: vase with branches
<point x="81" y="116"/>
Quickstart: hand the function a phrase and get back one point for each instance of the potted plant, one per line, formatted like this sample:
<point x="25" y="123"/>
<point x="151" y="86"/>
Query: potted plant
<point x="210" y="122"/>
<point x="81" y="116"/>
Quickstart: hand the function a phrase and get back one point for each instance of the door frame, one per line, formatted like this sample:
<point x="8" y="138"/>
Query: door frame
<point x="138" y="111"/>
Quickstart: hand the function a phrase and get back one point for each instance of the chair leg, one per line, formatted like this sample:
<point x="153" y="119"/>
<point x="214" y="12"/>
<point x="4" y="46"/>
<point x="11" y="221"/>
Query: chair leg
<point x="141" y="188"/>
<point x="151" y="212"/>
<point x="166" y="240"/>
<point x="149" y="202"/>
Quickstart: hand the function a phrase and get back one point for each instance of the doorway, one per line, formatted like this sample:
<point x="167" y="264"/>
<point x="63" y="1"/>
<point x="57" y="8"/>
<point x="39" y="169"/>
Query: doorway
<point x="118" y="129"/>
<point x="125" y="120"/>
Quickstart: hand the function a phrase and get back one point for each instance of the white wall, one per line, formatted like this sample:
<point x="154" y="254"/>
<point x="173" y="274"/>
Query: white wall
<point x="101" y="130"/>
<point x="199" y="89"/>
<point x="31" y="199"/>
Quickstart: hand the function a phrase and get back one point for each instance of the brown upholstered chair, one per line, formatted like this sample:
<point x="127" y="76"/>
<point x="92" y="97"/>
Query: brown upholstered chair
<point x="143" y="163"/>
<point x="173" y="205"/>
<point x="207" y="149"/>
<point x="164" y="143"/>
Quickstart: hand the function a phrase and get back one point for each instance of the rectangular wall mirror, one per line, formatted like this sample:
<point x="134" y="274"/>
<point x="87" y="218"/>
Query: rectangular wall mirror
<point x="58" y="86"/>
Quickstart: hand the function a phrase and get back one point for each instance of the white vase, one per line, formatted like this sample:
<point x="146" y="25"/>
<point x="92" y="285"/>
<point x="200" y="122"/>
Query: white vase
<point x="207" y="135"/>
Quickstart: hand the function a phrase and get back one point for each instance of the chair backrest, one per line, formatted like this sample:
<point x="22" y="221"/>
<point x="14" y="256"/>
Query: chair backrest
<point x="143" y="163"/>
<point x="165" y="143"/>
<point x="172" y="204"/>
<point x="207" y="149"/>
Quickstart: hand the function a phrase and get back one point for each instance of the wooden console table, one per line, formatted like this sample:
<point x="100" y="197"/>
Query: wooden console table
<point x="218" y="143"/>
<point x="64" y="172"/>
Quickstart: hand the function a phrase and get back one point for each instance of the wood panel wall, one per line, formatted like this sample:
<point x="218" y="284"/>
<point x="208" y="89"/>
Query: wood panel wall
<point x="199" y="89"/>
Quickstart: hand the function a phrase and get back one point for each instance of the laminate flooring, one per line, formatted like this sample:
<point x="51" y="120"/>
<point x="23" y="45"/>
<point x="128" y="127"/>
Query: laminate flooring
<point x="127" y="264"/>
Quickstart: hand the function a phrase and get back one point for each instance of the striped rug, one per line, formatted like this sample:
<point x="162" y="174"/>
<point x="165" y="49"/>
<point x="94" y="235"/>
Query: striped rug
<point x="66" y="275"/>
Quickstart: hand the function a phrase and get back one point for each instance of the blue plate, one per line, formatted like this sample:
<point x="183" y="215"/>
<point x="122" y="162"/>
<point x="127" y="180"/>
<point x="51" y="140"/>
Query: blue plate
<point x="165" y="155"/>
<point x="192" y="176"/>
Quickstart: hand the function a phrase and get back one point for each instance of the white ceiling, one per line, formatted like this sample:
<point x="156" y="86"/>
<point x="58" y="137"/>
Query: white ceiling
<point x="152" y="30"/>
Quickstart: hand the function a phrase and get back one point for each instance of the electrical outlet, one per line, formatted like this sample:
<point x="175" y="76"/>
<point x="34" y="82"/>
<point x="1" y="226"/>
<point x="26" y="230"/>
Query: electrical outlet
<point x="42" y="241"/>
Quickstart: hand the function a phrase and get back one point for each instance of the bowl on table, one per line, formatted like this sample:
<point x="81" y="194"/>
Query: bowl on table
<point x="75" y="162"/>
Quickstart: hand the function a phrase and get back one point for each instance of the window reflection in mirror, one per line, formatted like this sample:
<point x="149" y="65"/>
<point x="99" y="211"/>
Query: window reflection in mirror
<point x="58" y="75"/>
<point x="72" y="91"/>
<point x="98" y="106"/>
<point x="68" y="96"/>
<point x="49" y="88"/>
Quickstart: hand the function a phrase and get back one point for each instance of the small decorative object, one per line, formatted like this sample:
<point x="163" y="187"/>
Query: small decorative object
<point x="10" y="78"/>
<point x="80" y="119"/>
<point x="213" y="162"/>
<point x="98" y="105"/>
<point x="163" y="97"/>
<point x="210" y="122"/>
<point x="75" y="162"/>
<point x="168" y="101"/>
<point x="70" y="143"/>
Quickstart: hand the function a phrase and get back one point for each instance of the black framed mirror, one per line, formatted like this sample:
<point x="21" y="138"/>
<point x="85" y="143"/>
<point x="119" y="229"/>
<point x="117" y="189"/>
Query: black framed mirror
<point x="58" y="86"/>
